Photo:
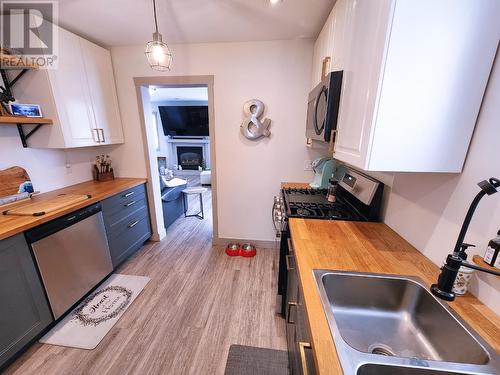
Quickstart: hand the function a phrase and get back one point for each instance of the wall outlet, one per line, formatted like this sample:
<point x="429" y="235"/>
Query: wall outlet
<point x="308" y="165"/>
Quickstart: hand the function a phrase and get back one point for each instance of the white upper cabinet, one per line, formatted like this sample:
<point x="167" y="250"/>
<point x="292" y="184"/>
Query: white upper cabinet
<point x="71" y="94"/>
<point x="102" y="86"/>
<point x="79" y="95"/>
<point x="331" y="42"/>
<point x="338" y="47"/>
<point x="320" y="52"/>
<point x="415" y="72"/>
<point x="367" y="33"/>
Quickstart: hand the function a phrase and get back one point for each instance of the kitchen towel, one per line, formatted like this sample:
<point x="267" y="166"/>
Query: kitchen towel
<point x="91" y="320"/>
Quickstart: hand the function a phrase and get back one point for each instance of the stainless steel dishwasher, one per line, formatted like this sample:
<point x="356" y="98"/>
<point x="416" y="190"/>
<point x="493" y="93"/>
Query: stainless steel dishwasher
<point x="72" y="254"/>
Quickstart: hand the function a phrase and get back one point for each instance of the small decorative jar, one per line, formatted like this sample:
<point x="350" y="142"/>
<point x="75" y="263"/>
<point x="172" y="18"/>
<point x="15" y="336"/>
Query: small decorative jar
<point x="462" y="281"/>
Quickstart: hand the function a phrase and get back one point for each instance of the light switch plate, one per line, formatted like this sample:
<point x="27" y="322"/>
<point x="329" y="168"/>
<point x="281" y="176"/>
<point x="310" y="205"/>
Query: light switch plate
<point x="308" y="165"/>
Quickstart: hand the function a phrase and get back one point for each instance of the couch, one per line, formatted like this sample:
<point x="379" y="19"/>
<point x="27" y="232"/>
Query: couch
<point x="172" y="202"/>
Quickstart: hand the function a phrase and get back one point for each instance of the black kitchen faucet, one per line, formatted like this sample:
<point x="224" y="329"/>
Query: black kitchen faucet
<point x="444" y="287"/>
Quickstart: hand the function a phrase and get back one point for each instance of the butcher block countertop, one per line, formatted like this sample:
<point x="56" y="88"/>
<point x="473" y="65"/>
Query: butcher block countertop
<point x="10" y="225"/>
<point x="366" y="247"/>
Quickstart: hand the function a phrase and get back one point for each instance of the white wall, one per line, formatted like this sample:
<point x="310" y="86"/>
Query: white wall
<point x="249" y="173"/>
<point x="47" y="168"/>
<point x="428" y="209"/>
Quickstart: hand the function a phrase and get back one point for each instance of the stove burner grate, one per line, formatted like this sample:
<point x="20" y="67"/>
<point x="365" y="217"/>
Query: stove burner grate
<point x="304" y="191"/>
<point x="323" y="211"/>
<point x="303" y="212"/>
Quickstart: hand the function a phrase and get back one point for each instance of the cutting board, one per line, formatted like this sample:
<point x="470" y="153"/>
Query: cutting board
<point x="44" y="207"/>
<point x="13" y="181"/>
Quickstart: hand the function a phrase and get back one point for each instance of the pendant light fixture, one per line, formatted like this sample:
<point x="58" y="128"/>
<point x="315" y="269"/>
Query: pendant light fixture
<point x="157" y="52"/>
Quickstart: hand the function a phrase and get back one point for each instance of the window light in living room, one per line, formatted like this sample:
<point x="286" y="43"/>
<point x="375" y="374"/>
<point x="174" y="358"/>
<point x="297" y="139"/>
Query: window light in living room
<point x="154" y="122"/>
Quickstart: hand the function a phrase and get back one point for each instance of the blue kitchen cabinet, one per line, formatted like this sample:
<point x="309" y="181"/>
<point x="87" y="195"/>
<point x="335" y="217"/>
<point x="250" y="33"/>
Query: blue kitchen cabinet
<point x="24" y="309"/>
<point x="126" y="219"/>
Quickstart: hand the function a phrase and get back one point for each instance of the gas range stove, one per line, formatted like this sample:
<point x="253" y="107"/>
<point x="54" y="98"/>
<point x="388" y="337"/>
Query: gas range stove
<point x="358" y="198"/>
<point x="312" y="203"/>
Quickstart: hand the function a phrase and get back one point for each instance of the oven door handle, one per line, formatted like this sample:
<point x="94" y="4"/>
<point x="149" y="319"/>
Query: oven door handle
<point x="289" y="312"/>
<point x="272" y="217"/>
<point x="287" y="260"/>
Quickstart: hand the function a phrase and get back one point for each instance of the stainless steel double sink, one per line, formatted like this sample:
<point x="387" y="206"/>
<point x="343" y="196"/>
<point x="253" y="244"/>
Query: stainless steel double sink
<point x="392" y="325"/>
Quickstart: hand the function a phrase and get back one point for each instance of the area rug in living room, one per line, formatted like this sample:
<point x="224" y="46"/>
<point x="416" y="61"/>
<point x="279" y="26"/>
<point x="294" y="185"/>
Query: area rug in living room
<point x="91" y="320"/>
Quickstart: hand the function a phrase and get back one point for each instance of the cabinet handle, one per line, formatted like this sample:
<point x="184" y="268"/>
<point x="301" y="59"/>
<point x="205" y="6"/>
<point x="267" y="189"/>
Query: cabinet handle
<point x="325" y="66"/>
<point x="302" y="349"/>
<point x="128" y="194"/>
<point x="130" y="203"/>
<point x="102" y="133"/>
<point x="273" y="216"/>
<point x="290" y="246"/>
<point x="95" y="134"/>
<point x="287" y="260"/>
<point x="290" y="304"/>
<point x="333" y="139"/>
<point x="131" y="225"/>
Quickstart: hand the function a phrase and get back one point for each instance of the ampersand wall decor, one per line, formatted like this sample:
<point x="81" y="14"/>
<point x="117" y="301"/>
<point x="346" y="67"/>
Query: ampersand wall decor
<point x="252" y="127"/>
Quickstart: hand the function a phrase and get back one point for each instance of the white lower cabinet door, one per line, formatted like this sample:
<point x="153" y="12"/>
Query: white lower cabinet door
<point x="101" y="83"/>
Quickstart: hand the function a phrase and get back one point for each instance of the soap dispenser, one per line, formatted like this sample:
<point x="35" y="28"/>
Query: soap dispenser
<point x="464" y="274"/>
<point x="492" y="256"/>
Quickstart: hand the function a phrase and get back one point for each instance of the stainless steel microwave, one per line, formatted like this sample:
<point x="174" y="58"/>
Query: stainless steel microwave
<point x="323" y="107"/>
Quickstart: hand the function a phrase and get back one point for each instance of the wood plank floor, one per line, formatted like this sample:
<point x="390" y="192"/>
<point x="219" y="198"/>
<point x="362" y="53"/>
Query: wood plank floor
<point x="199" y="301"/>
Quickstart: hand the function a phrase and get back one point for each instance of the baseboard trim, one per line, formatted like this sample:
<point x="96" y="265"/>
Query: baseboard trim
<point x="157" y="237"/>
<point x="257" y="243"/>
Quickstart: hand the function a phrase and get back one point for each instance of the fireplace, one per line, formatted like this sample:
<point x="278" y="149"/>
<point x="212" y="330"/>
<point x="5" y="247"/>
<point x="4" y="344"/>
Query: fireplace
<point x="176" y="146"/>
<point x="190" y="158"/>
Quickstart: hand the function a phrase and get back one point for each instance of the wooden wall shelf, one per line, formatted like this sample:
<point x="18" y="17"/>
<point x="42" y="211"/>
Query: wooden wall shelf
<point x="13" y="62"/>
<point x="478" y="259"/>
<point x="14" y="120"/>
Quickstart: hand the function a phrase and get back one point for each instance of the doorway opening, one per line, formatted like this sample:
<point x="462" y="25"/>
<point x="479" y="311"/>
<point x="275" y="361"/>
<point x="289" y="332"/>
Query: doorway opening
<point x="179" y="139"/>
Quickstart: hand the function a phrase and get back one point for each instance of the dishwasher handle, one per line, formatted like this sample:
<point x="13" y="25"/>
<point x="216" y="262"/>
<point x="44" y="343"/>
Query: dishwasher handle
<point x="51" y="227"/>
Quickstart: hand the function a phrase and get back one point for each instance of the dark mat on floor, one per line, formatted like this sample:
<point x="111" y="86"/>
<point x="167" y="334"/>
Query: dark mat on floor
<point x="249" y="360"/>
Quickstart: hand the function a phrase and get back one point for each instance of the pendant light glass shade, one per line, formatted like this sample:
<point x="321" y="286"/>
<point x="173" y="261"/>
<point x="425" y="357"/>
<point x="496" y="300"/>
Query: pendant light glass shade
<point x="157" y="52"/>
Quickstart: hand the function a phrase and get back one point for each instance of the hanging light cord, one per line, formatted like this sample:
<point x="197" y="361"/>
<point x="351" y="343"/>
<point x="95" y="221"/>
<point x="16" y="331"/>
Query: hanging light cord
<point x="154" y="11"/>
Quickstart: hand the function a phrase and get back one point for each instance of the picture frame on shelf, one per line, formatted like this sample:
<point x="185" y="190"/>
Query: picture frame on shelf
<point x="26" y="110"/>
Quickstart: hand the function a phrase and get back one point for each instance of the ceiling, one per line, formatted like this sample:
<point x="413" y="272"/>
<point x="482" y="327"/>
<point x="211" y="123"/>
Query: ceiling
<point x="130" y="22"/>
<point x="162" y="94"/>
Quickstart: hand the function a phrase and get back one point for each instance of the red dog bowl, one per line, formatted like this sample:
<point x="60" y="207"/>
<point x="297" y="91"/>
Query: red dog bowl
<point x="233" y="249"/>
<point x="248" y="250"/>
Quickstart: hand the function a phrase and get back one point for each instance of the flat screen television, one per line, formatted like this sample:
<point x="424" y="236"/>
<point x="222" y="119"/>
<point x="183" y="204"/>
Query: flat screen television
<point x="184" y="121"/>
